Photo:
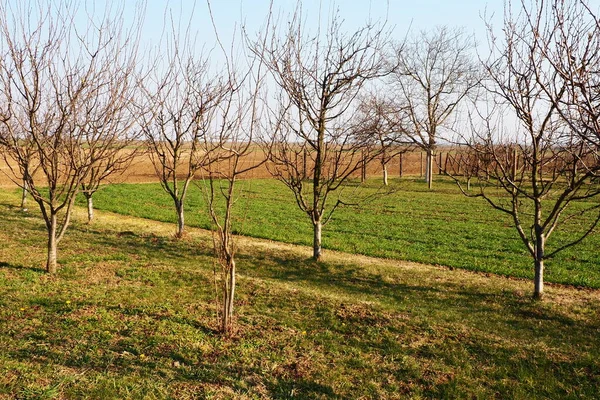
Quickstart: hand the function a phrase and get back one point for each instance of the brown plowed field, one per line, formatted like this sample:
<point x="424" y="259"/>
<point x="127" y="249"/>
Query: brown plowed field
<point x="142" y="171"/>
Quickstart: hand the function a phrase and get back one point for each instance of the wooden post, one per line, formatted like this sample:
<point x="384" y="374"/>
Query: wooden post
<point x="401" y="154"/>
<point x="363" y="169"/>
<point x="440" y="164"/>
<point x="304" y="165"/>
<point x="421" y="165"/>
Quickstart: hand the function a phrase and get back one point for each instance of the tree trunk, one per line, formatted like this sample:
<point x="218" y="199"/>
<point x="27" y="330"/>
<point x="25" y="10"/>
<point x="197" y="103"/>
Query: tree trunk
<point x="24" y="196"/>
<point x="180" y="218"/>
<point x="52" y="245"/>
<point x="429" y="168"/>
<point x="90" y="207"/>
<point x="317" y="228"/>
<point x="385" y="175"/>
<point x="538" y="282"/>
<point x="226" y="322"/>
<point x="539" y="279"/>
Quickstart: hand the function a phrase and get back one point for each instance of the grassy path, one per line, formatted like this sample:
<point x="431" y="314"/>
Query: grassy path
<point x="435" y="227"/>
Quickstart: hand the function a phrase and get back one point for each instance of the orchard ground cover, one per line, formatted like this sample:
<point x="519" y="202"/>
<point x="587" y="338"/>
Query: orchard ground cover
<point x="130" y="314"/>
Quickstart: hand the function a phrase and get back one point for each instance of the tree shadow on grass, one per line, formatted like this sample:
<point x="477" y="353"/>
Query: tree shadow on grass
<point x="152" y="246"/>
<point x="455" y="296"/>
<point x="4" y="264"/>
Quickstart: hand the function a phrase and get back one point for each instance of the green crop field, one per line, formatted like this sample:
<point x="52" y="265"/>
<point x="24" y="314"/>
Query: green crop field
<point x="131" y="315"/>
<point x="412" y="223"/>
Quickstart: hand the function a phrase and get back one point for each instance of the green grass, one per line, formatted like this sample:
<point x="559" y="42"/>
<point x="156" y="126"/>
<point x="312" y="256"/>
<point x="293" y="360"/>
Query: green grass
<point x="130" y="315"/>
<point x="436" y="227"/>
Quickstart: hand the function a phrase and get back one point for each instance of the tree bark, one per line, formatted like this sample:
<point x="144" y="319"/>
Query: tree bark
<point x="538" y="279"/>
<point x="90" y="207"/>
<point x="317" y="229"/>
<point x="52" y="246"/>
<point x="429" y="168"/>
<point x="538" y="282"/>
<point x="226" y="322"/>
<point x="180" y="218"/>
<point x="385" y="175"/>
<point x="24" y="196"/>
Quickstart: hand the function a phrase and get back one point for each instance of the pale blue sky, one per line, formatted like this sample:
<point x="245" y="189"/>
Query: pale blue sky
<point x="401" y="14"/>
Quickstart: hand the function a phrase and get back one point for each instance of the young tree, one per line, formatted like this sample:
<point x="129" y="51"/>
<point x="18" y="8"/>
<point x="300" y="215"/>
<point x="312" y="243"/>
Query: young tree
<point x="52" y="70"/>
<point x="125" y="149"/>
<point x="378" y="120"/>
<point x="320" y="74"/>
<point x="231" y="152"/>
<point x="109" y="118"/>
<point x="546" y="166"/>
<point x="26" y="164"/>
<point x="178" y="104"/>
<point x="434" y="72"/>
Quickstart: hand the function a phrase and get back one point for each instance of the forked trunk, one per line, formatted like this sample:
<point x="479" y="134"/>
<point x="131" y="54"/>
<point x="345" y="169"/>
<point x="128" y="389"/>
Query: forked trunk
<point x="317" y="228"/>
<point x="52" y="245"/>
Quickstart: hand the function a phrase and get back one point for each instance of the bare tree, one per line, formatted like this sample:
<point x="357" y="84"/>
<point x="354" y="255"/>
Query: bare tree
<point x="434" y="72"/>
<point x="320" y="75"/>
<point x="179" y="102"/>
<point x="232" y="153"/>
<point x="126" y="147"/>
<point x="51" y="72"/>
<point x="109" y="117"/>
<point x="465" y="165"/>
<point x="231" y="149"/>
<point x="26" y="162"/>
<point x="570" y="45"/>
<point x="379" y="120"/>
<point x="545" y="167"/>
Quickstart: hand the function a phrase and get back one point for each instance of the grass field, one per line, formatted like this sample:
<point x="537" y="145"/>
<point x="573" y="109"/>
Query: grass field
<point x="131" y="315"/>
<point x="436" y="227"/>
